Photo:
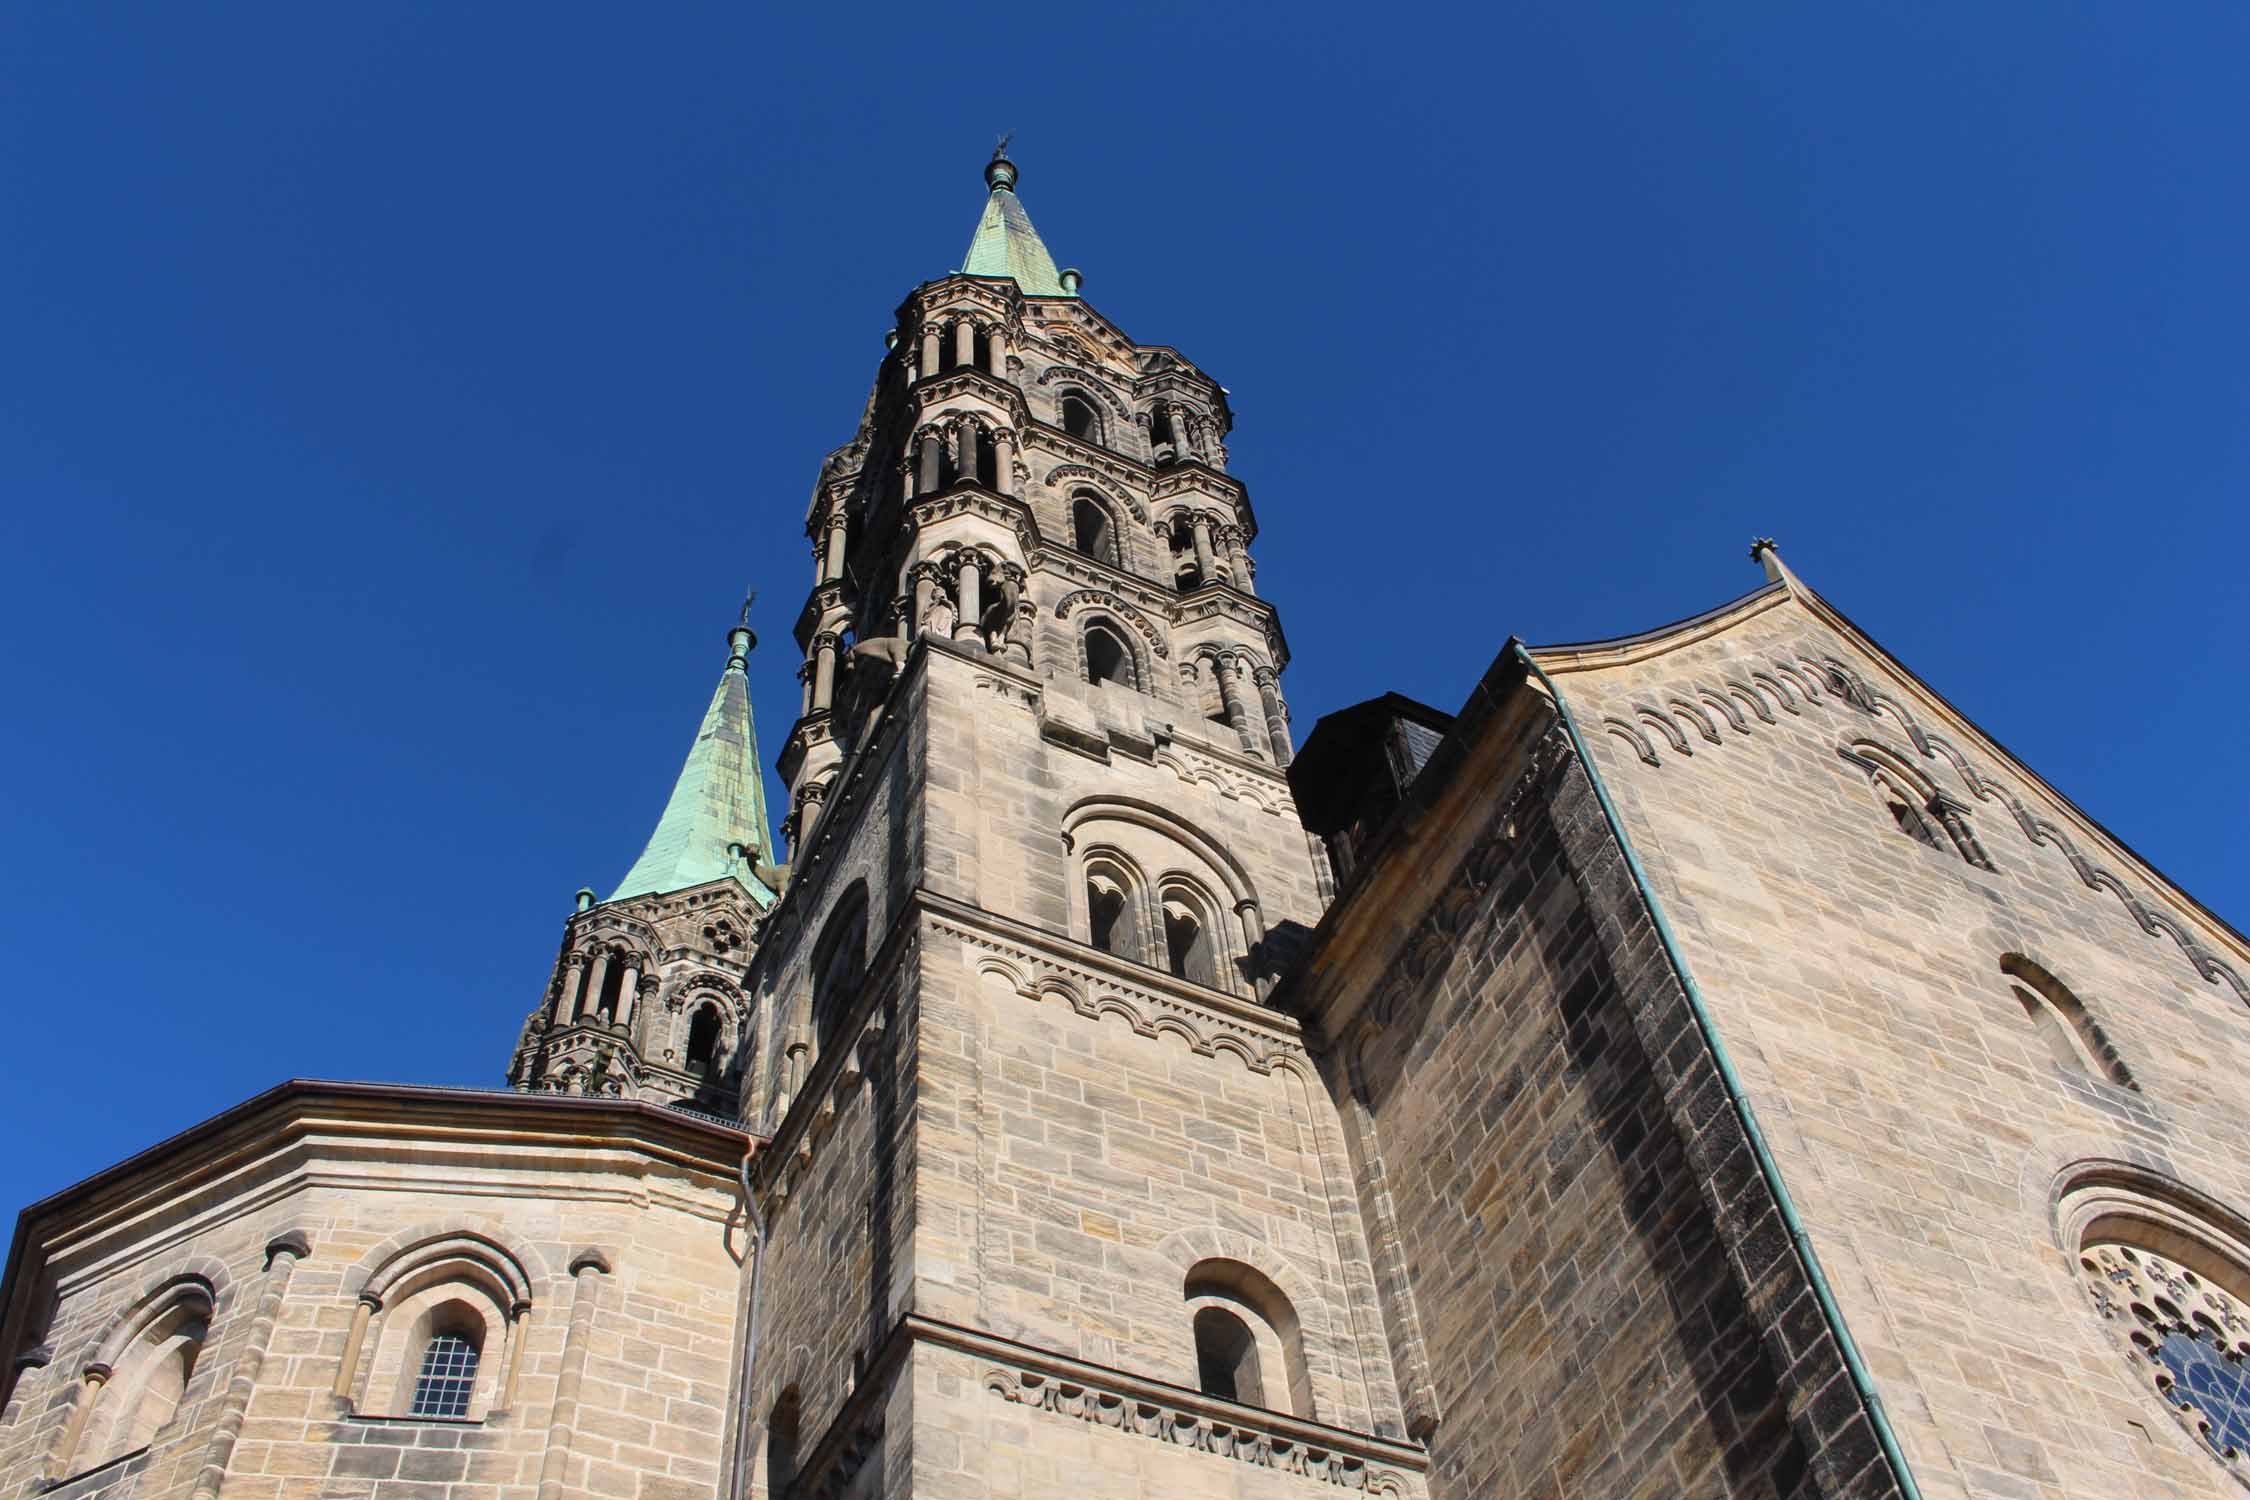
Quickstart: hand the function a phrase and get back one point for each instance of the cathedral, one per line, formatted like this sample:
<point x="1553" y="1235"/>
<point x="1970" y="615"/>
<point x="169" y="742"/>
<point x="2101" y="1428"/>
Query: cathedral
<point x="1698" y="1063"/>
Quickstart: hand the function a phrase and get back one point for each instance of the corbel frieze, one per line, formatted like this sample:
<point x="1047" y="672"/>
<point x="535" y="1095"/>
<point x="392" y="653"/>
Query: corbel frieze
<point x="1240" y="1437"/>
<point x="1205" y="1028"/>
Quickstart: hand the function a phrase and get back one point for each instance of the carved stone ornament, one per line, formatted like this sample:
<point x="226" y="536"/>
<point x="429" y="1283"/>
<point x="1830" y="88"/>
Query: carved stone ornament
<point x="1163" y="1423"/>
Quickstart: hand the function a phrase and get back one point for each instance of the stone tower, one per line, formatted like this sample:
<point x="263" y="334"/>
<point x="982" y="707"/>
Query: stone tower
<point x="645" y="1000"/>
<point x="1034" y="1134"/>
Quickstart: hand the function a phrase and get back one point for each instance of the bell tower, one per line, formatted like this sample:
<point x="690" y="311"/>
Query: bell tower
<point x="1047" y="1185"/>
<point x="646" y="998"/>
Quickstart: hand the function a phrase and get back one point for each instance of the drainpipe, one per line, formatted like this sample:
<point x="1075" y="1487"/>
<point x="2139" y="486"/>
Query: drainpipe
<point x="1731" y="1081"/>
<point x="739" y="1488"/>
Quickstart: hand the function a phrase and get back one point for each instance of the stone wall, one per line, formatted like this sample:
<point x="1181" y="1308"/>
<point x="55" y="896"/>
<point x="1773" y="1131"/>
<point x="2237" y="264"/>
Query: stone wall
<point x="610" y="1380"/>
<point x="1569" y="1312"/>
<point x="1933" y="1140"/>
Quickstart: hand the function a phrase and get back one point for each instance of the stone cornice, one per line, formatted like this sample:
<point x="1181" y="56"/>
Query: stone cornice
<point x="1156" y="1409"/>
<point x="280" y="1141"/>
<point x="1150" y="995"/>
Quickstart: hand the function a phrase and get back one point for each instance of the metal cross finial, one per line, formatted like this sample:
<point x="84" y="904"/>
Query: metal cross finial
<point x="1001" y="150"/>
<point x="748" y="600"/>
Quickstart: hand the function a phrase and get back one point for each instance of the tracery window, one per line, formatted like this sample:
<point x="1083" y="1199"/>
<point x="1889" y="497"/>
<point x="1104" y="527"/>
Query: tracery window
<point x="2190" y="1338"/>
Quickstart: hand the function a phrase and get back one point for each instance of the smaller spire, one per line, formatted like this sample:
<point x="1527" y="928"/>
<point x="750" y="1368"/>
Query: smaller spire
<point x="715" y="822"/>
<point x="1005" y="244"/>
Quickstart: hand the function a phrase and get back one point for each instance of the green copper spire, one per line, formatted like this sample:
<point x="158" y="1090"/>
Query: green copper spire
<point x="1005" y="244"/>
<point x="715" y="824"/>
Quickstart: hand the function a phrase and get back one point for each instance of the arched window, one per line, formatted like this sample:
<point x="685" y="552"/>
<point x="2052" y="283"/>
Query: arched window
<point x="1079" y="418"/>
<point x="1091" y="530"/>
<point x="839" y="965"/>
<point x="1113" y="897"/>
<point x="613" y="986"/>
<point x="781" y="1445"/>
<point x="2164" y="1270"/>
<point x="1193" y="913"/>
<point x="988" y="461"/>
<point x="1108" y="659"/>
<point x="1226" y="1357"/>
<point x="703" y="1040"/>
<point x="1900" y="803"/>
<point x="1249" y="1344"/>
<point x="149" y="1376"/>
<point x="1188" y="939"/>
<point x="1916" y="806"/>
<point x="448" y="1374"/>
<point x="447" y="1311"/>
<point x="2071" y="1035"/>
<point x="1164" y="443"/>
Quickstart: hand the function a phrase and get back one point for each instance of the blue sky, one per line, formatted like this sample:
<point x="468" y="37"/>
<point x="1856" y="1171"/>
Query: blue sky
<point x="398" y="400"/>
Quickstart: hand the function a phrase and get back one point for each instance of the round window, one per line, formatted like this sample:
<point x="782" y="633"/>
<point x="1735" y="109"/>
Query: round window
<point x="2191" y="1340"/>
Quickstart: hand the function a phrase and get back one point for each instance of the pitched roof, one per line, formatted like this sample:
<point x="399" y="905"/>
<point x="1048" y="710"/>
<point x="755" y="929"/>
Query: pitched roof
<point x="1005" y="244"/>
<point x="719" y="803"/>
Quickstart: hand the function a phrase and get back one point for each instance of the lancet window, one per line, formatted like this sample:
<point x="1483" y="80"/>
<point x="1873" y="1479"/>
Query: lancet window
<point x="2065" y="1027"/>
<point x="839" y="965"/>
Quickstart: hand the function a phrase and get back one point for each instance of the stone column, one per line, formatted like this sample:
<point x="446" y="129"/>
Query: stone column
<point x="906" y="488"/>
<point x="924" y="587"/>
<point x="1230" y="691"/>
<point x="964" y="343"/>
<point x="506" y="1400"/>
<point x="929" y="484"/>
<point x="1229" y="538"/>
<point x="972" y="603"/>
<point x="1206" y="565"/>
<point x="596" y="977"/>
<point x="965" y="449"/>
<point x="1182" y="441"/>
<point x="573" y="989"/>
<point x="585" y="1266"/>
<point x="66" y="1449"/>
<point x="824" y="669"/>
<point x="1253" y="933"/>
<point x="347" y="1368"/>
<point x="832" y="566"/>
<point x="931" y="334"/>
<point x="996" y="350"/>
<point x="282" y="1254"/>
<point x="1277" y="717"/>
<point x="627" y="991"/>
<point x="1004" y="462"/>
